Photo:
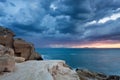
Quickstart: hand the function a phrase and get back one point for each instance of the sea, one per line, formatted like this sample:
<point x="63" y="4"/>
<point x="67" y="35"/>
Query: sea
<point x="106" y="61"/>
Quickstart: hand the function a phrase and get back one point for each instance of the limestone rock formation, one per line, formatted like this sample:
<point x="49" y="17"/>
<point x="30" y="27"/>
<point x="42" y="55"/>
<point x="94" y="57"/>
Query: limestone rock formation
<point x="6" y="51"/>
<point x="7" y="61"/>
<point x="41" y="70"/>
<point x="6" y="37"/>
<point x="89" y="75"/>
<point x="20" y="47"/>
<point x="25" y="50"/>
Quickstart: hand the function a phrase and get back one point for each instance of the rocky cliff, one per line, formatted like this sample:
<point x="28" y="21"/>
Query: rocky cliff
<point x="21" y="48"/>
<point x="25" y="50"/>
<point x="6" y="37"/>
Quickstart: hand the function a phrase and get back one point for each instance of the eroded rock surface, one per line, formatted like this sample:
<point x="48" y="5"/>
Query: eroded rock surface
<point x="6" y="37"/>
<point x="7" y="61"/>
<point x="41" y="70"/>
<point x="89" y="75"/>
<point x="21" y="47"/>
<point x="25" y="50"/>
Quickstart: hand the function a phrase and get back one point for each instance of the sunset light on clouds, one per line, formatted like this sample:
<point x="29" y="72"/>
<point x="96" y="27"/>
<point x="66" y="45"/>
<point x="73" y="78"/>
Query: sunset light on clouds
<point x="98" y="45"/>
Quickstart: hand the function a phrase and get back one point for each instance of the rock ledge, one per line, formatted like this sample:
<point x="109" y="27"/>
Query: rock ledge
<point x="41" y="70"/>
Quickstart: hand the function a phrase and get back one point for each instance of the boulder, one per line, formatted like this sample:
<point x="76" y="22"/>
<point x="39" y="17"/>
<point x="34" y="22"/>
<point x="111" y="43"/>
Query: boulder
<point x="6" y="37"/>
<point x="41" y="70"/>
<point x="35" y="56"/>
<point x="7" y="61"/>
<point x="25" y="50"/>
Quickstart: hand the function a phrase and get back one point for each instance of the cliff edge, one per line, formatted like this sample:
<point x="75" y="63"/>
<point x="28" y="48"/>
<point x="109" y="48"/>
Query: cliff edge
<point x="41" y="70"/>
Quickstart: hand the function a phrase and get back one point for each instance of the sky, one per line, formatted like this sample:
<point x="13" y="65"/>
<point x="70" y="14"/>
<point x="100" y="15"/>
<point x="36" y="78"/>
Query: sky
<point x="64" y="23"/>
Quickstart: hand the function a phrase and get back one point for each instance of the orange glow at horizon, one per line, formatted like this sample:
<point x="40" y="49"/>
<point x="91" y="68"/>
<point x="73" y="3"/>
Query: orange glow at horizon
<point x="98" y="45"/>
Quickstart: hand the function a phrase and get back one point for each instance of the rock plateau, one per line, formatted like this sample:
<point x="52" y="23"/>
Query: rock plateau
<point x="41" y="70"/>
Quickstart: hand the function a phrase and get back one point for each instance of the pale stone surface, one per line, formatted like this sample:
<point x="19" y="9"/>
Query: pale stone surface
<point x="2" y="49"/>
<point x="7" y="61"/>
<point x="19" y="59"/>
<point x="41" y="70"/>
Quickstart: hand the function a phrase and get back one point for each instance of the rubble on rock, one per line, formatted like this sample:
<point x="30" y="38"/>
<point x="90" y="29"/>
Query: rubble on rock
<point x="89" y="75"/>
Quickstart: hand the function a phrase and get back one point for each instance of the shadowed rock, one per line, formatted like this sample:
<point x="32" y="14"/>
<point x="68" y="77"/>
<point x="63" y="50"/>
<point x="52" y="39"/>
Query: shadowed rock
<point x="25" y="50"/>
<point x="89" y="75"/>
<point x="113" y="77"/>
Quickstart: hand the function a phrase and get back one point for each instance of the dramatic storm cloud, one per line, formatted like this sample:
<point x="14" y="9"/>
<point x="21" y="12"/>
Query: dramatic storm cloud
<point x="62" y="23"/>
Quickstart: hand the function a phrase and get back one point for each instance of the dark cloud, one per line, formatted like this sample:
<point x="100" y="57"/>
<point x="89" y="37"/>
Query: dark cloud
<point x="28" y="28"/>
<point x="104" y="8"/>
<point x="107" y="31"/>
<point x="75" y="9"/>
<point x="2" y="0"/>
<point x="61" y="21"/>
<point x="12" y="4"/>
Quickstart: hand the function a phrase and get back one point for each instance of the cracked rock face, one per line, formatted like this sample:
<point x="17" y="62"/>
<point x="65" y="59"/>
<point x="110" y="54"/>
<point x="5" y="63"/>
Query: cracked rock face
<point x="61" y="72"/>
<point x="41" y="70"/>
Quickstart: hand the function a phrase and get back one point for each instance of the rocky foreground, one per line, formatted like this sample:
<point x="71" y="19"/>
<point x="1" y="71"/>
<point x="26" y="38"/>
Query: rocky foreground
<point x="11" y="69"/>
<point x="89" y="75"/>
<point x="51" y="70"/>
<point x="41" y="70"/>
